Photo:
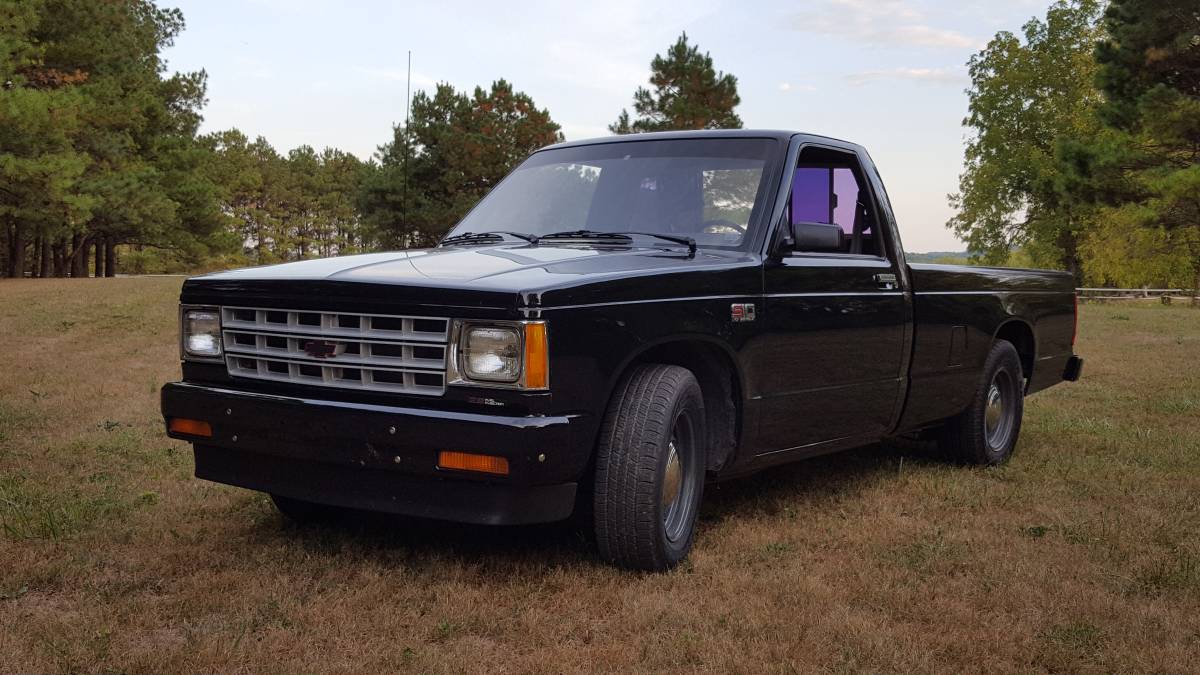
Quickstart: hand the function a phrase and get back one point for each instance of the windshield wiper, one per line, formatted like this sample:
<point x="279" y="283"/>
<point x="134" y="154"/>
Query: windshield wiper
<point x="471" y="237"/>
<point x="625" y="236"/>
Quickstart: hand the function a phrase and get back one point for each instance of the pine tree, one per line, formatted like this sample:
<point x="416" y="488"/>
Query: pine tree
<point x="688" y="93"/>
<point x="1144" y="168"/>
<point x="458" y="147"/>
<point x="134" y="128"/>
<point x="40" y="169"/>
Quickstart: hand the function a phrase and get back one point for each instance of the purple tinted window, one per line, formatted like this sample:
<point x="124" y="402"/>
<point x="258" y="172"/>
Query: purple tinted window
<point x="825" y="195"/>
<point x="811" y="196"/>
<point x="845" y="186"/>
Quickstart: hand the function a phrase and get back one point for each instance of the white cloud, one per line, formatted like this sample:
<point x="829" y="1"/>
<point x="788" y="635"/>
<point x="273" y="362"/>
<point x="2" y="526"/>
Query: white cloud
<point x="923" y="36"/>
<point x="877" y="22"/>
<point x="930" y="75"/>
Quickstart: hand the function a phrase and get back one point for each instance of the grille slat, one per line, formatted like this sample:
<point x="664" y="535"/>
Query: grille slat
<point x="375" y="352"/>
<point x="370" y="326"/>
<point x="386" y="354"/>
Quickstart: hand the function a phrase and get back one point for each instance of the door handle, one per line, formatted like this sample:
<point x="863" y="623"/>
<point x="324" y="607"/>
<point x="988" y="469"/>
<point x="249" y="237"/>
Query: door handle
<point x="886" y="281"/>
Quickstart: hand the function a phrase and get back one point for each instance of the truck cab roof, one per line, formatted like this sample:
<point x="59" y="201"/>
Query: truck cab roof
<point x="781" y="135"/>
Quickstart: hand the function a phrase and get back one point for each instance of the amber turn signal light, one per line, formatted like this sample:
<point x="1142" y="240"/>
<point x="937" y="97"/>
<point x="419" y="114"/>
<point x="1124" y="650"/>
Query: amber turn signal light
<point x="182" y="425"/>
<point x="465" y="461"/>
<point x="537" y="357"/>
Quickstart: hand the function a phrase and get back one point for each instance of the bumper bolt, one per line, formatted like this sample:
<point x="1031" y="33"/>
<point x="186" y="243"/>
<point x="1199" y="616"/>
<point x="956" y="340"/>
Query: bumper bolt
<point x="542" y="457"/>
<point x="229" y="411"/>
<point x="234" y="439"/>
<point x="391" y="430"/>
<point x="396" y="459"/>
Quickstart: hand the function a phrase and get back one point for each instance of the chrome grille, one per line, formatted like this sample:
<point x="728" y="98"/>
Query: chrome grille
<point x="375" y="352"/>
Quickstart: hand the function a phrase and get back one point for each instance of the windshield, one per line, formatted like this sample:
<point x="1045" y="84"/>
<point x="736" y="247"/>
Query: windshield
<point x="706" y="189"/>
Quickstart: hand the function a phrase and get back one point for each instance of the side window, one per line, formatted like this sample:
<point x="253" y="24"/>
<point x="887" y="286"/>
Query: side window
<point x="812" y="195"/>
<point x="827" y="187"/>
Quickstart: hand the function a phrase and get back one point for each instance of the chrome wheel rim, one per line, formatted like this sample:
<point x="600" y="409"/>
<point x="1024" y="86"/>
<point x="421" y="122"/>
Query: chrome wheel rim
<point x="678" y="484"/>
<point x="672" y="480"/>
<point x="998" y="411"/>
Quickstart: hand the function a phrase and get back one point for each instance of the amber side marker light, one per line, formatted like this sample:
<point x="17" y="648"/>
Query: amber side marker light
<point x="465" y="461"/>
<point x="537" y="357"/>
<point x="182" y="425"/>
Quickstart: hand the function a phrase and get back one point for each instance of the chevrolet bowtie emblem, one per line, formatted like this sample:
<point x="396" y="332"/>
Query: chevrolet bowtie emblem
<point x="321" y="349"/>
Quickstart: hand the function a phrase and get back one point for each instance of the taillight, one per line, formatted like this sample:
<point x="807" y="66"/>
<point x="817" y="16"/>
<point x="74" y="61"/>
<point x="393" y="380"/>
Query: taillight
<point x="1075" y="327"/>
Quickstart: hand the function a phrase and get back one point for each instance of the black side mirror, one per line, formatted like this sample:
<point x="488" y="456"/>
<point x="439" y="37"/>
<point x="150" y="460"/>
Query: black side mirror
<point x="816" y="237"/>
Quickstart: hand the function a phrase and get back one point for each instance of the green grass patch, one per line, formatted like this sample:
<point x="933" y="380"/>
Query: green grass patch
<point x="30" y="510"/>
<point x="1176" y="572"/>
<point x="930" y="553"/>
<point x="1079" y="636"/>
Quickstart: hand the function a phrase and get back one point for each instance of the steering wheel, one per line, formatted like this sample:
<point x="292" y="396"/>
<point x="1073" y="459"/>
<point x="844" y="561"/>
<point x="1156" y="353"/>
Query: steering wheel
<point x="722" y="222"/>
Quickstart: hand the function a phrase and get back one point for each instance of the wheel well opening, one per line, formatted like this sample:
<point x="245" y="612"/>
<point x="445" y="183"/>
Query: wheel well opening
<point x="719" y="385"/>
<point x="1021" y="336"/>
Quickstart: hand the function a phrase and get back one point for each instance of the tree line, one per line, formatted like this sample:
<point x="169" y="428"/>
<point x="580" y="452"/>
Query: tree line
<point x="1084" y="152"/>
<point x="102" y="166"/>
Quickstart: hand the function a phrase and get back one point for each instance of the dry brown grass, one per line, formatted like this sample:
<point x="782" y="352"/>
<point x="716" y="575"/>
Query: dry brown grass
<point x="1081" y="555"/>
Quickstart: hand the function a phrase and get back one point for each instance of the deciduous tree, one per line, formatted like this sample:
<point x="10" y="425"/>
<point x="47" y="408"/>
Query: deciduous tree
<point x="1028" y="94"/>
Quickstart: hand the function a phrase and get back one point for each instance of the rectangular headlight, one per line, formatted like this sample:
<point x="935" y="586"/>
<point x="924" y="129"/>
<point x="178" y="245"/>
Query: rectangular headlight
<point x="491" y="353"/>
<point x="200" y="333"/>
<point x="503" y="354"/>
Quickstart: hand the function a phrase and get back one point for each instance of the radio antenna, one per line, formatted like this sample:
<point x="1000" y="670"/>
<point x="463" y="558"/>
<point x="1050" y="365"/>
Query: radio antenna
<point x="407" y="123"/>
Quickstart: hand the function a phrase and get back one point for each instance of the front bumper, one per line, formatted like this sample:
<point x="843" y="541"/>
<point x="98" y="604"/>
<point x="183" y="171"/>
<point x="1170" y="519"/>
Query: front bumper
<point x="384" y="458"/>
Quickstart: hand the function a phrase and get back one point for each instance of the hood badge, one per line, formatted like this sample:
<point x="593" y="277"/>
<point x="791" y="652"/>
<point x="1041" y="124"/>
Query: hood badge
<point x="741" y="312"/>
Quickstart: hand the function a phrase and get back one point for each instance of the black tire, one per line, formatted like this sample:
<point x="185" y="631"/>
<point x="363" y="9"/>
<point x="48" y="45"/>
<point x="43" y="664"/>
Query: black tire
<point x="650" y="465"/>
<point x="986" y="432"/>
<point x="303" y="512"/>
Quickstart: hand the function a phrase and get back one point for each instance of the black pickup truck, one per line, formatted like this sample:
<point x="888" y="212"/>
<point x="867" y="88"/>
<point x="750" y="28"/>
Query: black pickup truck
<point x="617" y="323"/>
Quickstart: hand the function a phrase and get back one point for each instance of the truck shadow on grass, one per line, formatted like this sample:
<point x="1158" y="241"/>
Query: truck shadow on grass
<point x="820" y="483"/>
<point x="810" y="486"/>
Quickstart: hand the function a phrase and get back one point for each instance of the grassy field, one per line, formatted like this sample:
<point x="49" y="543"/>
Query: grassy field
<point x="1082" y="554"/>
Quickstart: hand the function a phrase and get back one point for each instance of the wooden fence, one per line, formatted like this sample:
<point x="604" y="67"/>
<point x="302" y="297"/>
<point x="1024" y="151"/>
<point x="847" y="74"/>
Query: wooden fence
<point x="1164" y="295"/>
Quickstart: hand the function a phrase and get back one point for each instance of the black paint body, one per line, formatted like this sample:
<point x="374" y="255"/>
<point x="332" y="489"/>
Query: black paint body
<point x="832" y="360"/>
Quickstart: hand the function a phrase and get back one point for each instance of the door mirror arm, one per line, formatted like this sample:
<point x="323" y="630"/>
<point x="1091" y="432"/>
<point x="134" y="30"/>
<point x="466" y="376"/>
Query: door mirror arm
<point x="783" y="242"/>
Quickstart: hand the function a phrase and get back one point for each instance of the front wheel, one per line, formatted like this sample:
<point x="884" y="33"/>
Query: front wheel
<point x="650" y="466"/>
<point x="986" y="432"/>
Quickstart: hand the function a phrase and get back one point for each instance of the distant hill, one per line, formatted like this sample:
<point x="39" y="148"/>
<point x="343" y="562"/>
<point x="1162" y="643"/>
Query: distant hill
<point x="948" y="257"/>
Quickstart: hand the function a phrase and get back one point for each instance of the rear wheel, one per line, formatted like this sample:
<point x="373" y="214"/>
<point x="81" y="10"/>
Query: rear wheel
<point x="650" y="466"/>
<point x="986" y="432"/>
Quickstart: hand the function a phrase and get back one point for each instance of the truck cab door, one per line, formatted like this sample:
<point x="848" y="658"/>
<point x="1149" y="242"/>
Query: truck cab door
<point x="829" y="363"/>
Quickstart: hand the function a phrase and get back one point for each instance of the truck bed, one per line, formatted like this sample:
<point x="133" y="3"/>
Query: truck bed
<point x="957" y="312"/>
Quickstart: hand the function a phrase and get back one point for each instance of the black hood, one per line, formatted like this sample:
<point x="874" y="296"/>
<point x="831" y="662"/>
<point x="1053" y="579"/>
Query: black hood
<point x="501" y="276"/>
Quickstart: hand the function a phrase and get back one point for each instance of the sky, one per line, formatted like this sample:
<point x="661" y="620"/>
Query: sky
<point x="888" y="74"/>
